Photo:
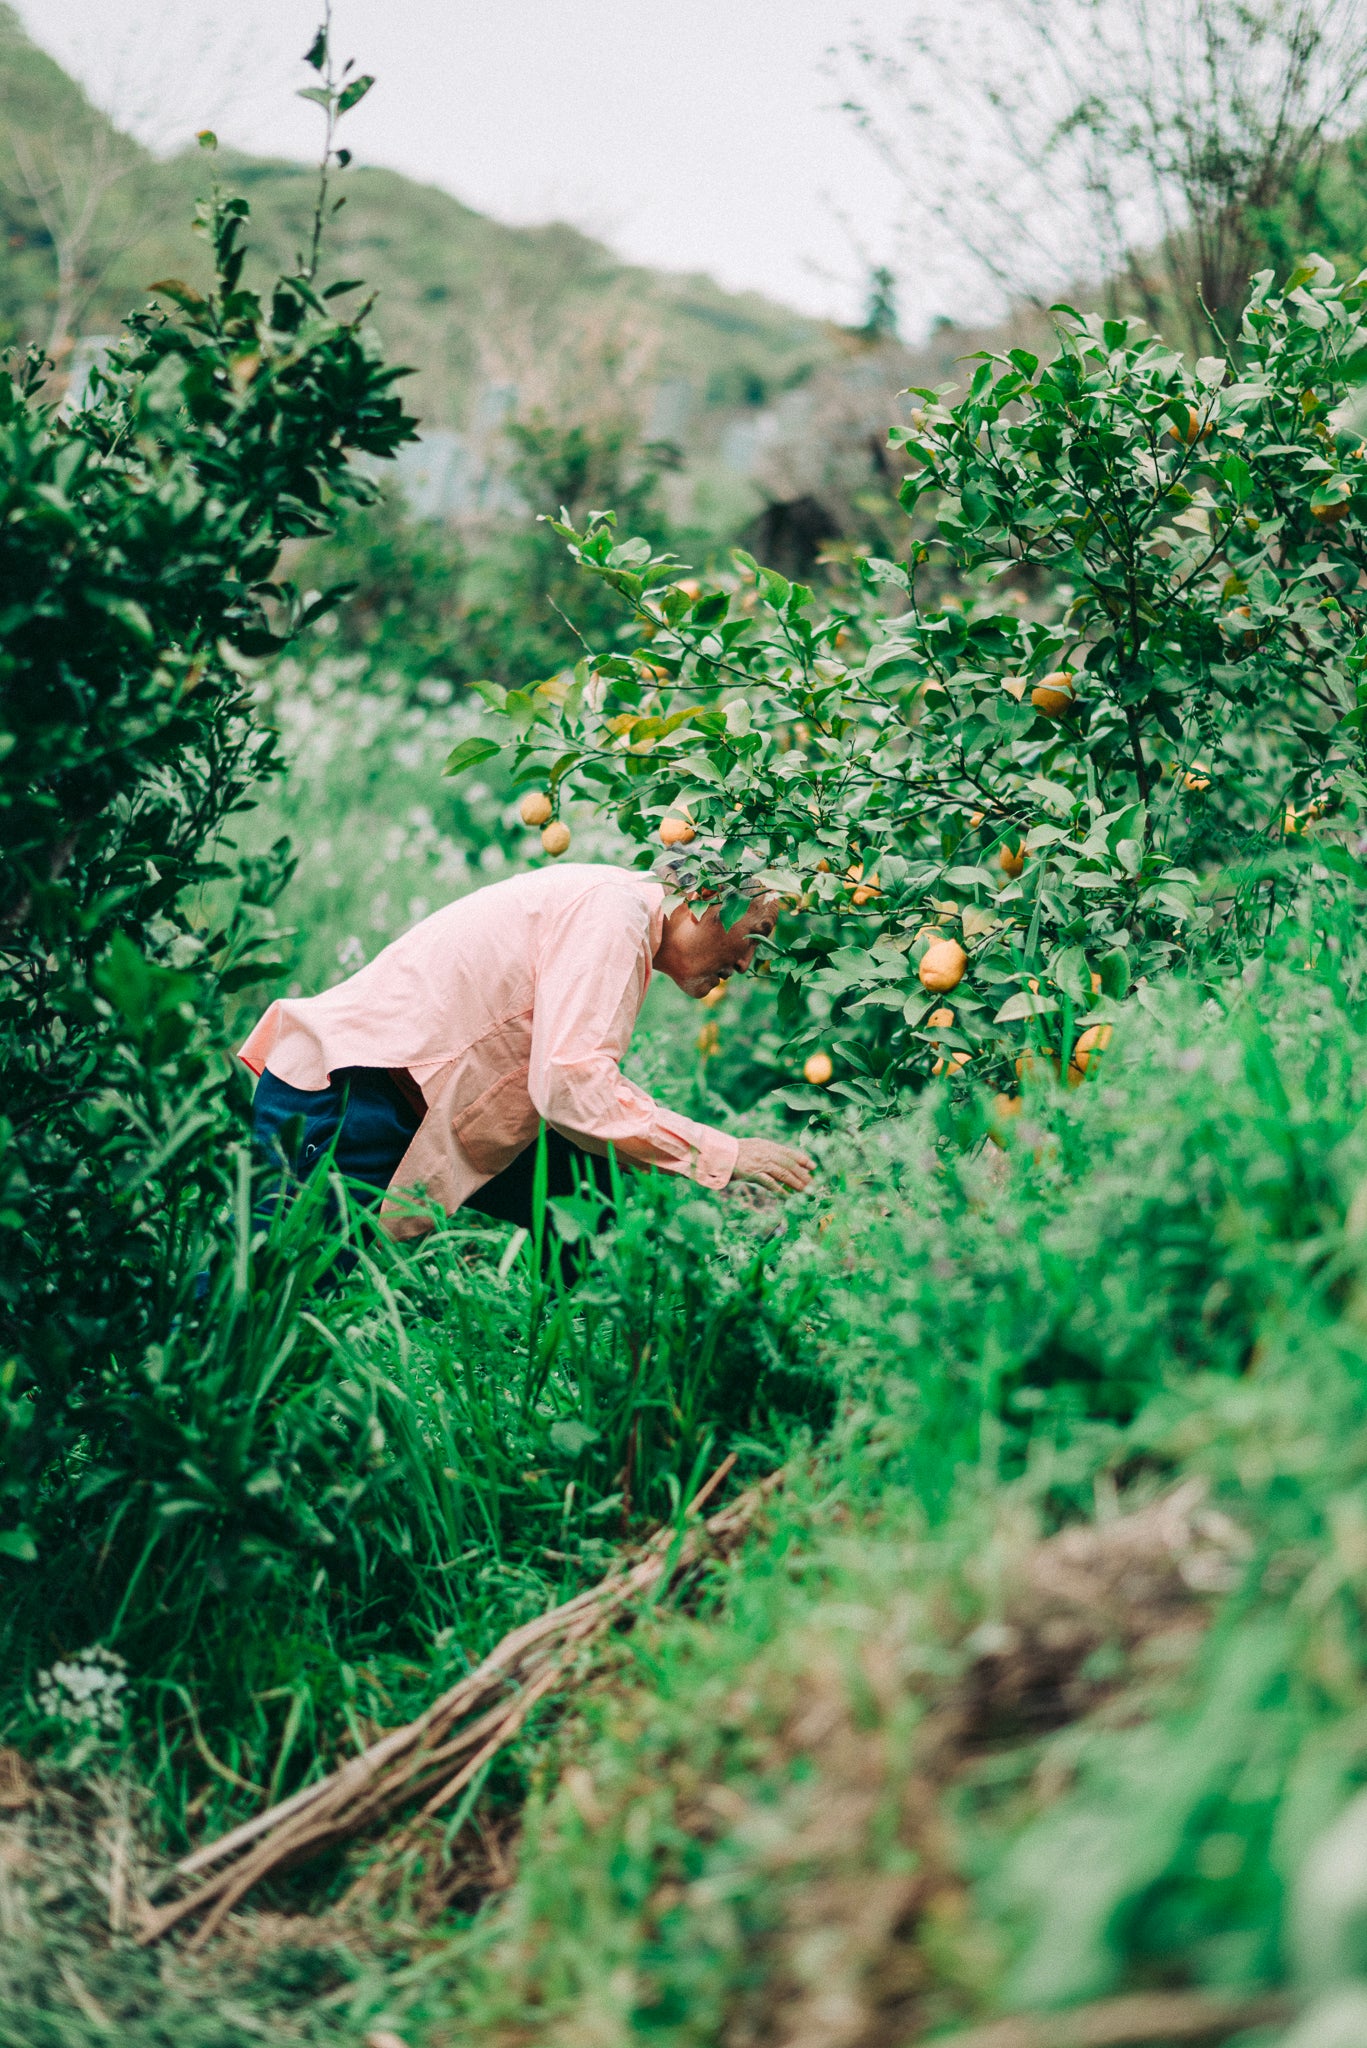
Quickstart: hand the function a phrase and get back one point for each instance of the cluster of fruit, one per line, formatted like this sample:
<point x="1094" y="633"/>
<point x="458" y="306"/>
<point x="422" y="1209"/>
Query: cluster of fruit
<point x="538" y="811"/>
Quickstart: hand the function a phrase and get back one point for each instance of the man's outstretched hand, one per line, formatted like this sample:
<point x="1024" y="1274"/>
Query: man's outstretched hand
<point x="772" y="1165"/>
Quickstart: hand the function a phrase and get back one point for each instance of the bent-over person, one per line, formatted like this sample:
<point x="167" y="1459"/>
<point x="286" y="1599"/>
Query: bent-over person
<point x="434" y="1067"/>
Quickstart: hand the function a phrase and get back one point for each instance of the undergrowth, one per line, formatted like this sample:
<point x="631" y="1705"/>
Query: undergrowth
<point x="879" y="1785"/>
<point x="1044" y="1676"/>
<point x="330" y="1490"/>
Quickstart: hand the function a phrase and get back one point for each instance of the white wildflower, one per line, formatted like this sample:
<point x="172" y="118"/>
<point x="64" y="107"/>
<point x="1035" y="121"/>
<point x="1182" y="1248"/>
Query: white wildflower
<point x="85" y="1690"/>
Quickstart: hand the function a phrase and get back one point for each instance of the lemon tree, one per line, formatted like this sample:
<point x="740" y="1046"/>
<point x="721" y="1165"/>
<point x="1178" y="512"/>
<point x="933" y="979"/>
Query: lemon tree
<point x="1019" y="806"/>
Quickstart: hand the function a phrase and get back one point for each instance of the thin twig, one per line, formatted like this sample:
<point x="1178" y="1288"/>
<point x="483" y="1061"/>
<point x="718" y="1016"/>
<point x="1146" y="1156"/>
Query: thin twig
<point x="310" y="270"/>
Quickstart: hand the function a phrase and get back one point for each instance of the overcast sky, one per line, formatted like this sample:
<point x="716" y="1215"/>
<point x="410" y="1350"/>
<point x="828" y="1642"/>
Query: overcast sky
<point x="698" y="136"/>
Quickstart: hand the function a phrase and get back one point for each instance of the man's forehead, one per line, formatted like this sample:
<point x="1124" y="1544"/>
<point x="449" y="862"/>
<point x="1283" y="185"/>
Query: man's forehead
<point x="762" y="910"/>
<point x="712" y="906"/>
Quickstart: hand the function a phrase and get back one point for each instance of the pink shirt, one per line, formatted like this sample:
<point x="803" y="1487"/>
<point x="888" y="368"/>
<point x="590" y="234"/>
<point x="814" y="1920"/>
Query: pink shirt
<point x="515" y="1003"/>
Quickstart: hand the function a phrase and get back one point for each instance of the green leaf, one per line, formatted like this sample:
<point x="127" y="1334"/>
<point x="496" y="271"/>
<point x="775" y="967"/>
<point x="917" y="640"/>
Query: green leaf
<point x="127" y="611"/>
<point x="1071" y="973"/>
<point x="18" y="1544"/>
<point x="879" y="999"/>
<point x="354" y="93"/>
<point x="248" y="975"/>
<point x="327" y="602"/>
<point x="1026" y="1004"/>
<point x="468" y="753"/>
<point x="183" y="294"/>
<point x="570" y="1437"/>
<point x="1239" y="477"/>
<point x="803" y="1100"/>
<point x="317" y="51"/>
<point x="1114" y="969"/>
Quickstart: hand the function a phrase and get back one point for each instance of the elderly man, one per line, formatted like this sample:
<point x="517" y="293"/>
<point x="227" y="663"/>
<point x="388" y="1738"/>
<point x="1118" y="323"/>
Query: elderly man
<point x="434" y="1067"/>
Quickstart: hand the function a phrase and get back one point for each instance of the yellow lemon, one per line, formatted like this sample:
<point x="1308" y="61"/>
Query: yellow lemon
<point x="1093" y="1040"/>
<point x="1052" y="696"/>
<point x="942" y="968"/>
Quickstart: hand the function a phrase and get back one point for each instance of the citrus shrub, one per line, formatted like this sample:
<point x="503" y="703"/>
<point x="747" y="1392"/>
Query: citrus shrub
<point x="1032" y="809"/>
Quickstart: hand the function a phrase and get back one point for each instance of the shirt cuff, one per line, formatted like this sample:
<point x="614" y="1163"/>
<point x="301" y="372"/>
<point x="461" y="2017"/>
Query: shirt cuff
<point x="715" y="1159"/>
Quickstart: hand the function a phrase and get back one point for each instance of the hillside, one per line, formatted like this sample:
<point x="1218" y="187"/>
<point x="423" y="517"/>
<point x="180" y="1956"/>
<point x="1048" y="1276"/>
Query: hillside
<point x="758" y="408"/>
<point x="492" y="318"/>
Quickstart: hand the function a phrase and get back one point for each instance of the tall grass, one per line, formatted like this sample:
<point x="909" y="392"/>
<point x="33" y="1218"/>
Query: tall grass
<point x="331" y="1490"/>
<point x="1156" y="1223"/>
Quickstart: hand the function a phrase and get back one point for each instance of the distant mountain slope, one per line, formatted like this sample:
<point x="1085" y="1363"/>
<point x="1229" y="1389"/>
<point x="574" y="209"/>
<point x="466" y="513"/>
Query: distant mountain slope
<point x="476" y="307"/>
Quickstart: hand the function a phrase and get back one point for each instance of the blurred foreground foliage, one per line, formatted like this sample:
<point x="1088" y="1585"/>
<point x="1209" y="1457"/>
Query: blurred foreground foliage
<point x="138" y="540"/>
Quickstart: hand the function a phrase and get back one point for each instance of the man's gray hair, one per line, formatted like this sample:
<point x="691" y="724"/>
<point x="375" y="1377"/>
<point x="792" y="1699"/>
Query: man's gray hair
<point x="686" y="873"/>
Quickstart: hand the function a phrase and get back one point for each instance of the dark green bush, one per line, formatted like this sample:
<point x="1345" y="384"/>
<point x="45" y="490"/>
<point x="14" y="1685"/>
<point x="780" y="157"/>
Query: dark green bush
<point x="138" y="540"/>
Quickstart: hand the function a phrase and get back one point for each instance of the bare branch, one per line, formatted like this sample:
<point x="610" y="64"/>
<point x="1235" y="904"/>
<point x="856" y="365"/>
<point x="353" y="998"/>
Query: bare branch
<point x="1053" y="142"/>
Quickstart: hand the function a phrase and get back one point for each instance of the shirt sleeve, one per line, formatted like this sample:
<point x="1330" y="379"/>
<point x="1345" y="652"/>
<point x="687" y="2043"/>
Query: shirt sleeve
<point x="590" y="984"/>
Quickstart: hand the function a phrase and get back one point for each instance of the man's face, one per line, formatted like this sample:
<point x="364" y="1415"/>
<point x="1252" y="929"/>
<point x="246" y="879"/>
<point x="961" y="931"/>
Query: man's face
<point x="698" y="951"/>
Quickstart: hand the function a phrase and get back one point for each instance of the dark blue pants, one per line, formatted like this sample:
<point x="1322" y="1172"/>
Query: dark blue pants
<point x="367" y="1113"/>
